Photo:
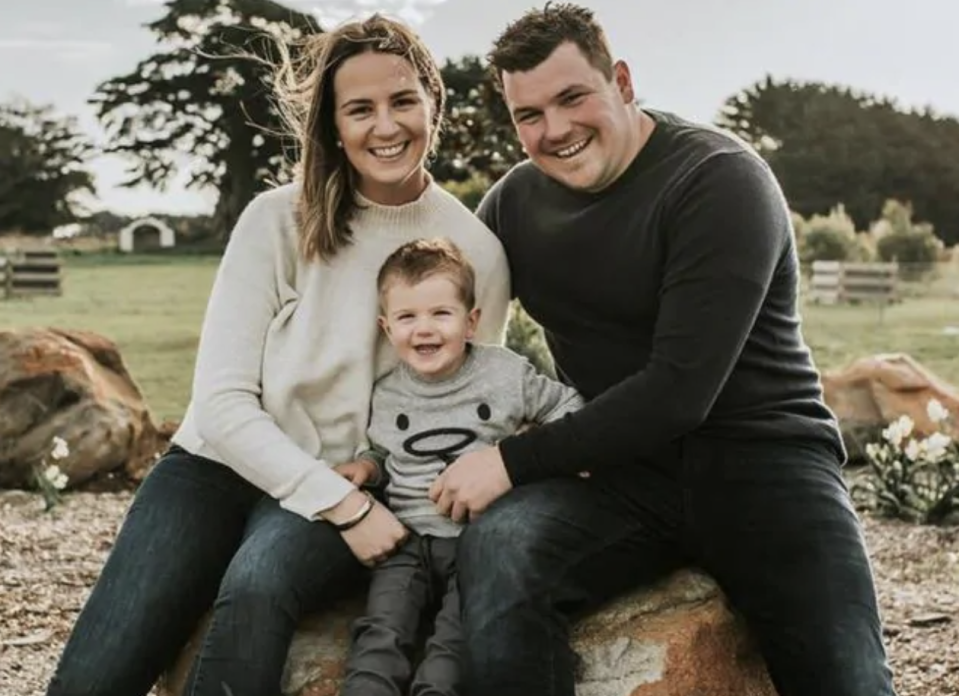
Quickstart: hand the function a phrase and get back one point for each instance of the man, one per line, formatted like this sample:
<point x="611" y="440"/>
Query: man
<point x="658" y="256"/>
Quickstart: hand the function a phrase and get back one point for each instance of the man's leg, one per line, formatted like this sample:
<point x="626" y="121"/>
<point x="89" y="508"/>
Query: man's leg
<point x="384" y="638"/>
<point x="441" y="671"/>
<point x="286" y="567"/>
<point x="185" y="524"/>
<point x="547" y="549"/>
<point x="774" y="525"/>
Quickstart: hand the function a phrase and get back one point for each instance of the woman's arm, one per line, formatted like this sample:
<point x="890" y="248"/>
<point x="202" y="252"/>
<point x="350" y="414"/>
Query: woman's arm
<point x="227" y="383"/>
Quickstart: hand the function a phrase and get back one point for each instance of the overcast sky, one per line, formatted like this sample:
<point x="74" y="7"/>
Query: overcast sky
<point x="686" y="56"/>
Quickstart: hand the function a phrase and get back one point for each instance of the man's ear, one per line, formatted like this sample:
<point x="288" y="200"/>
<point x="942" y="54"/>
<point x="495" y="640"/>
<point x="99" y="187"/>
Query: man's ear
<point x="472" y="321"/>
<point x="624" y="81"/>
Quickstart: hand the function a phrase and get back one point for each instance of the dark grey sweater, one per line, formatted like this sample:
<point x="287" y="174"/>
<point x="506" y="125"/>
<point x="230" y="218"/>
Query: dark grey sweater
<point x="419" y="427"/>
<point x="669" y="300"/>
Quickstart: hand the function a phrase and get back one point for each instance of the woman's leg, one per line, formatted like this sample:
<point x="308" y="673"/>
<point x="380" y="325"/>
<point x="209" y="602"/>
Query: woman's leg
<point x="184" y="526"/>
<point x="286" y="567"/>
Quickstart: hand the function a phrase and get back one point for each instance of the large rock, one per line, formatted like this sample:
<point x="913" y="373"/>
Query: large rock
<point x="675" y="639"/>
<point x="72" y="385"/>
<point x="874" y="391"/>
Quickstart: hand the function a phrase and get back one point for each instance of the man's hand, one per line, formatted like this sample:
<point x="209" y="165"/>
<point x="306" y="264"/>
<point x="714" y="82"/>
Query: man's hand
<point x="470" y="484"/>
<point x="358" y="472"/>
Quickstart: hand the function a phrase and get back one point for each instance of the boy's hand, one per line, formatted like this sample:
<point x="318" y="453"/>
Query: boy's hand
<point x="358" y="472"/>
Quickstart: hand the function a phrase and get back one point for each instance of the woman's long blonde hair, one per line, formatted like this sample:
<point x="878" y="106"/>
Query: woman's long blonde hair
<point x="304" y="89"/>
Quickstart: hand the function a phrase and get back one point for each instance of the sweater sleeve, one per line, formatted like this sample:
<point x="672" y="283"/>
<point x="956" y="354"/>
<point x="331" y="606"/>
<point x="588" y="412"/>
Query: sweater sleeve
<point x="244" y="302"/>
<point x="546" y="399"/>
<point x="724" y="239"/>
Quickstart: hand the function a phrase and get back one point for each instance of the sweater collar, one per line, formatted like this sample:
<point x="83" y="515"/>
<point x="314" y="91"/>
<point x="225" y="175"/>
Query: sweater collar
<point x="427" y="204"/>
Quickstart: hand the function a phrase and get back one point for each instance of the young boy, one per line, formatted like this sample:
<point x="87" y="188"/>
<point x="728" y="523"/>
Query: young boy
<point x="447" y="396"/>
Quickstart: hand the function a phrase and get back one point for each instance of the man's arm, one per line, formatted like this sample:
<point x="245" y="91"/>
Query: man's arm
<point x="724" y="243"/>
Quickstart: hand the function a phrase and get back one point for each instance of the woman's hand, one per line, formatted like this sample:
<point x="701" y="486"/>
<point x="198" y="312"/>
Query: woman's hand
<point x="359" y="472"/>
<point x="375" y="537"/>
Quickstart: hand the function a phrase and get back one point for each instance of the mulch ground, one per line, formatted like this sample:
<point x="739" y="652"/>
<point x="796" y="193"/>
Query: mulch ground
<point x="48" y="562"/>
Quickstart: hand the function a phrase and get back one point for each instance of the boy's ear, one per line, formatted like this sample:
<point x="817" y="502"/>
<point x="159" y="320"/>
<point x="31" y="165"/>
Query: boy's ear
<point x="472" y="321"/>
<point x="385" y="325"/>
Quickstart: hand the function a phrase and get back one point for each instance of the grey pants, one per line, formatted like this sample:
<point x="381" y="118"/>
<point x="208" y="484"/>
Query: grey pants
<point x="417" y="579"/>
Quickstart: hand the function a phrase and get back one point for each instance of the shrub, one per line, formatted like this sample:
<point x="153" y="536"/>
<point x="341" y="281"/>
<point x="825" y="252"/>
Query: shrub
<point x="828" y="238"/>
<point x="525" y="336"/>
<point x="911" y="478"/>
<point x="914" y="246"/>
<point x="471" y="191"/>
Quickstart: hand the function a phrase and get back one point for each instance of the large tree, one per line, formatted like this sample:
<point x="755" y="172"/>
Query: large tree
<point x="43" y="159"/>
<point x="830" y="145"/>
<point x="479" y="138"/>
<point x="204" y="101"/>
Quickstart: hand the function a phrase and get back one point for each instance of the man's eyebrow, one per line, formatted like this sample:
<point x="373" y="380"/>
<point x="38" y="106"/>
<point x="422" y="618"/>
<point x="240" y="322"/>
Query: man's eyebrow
<point x="559" y="96"/>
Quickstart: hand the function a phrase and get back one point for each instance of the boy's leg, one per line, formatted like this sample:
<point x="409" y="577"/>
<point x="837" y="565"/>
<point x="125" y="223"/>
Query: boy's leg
<point x="775" y="526"/>
<point x="285" y="568"/>
<point x="384" y="639"/>
<point x="548" y="549"/>
<point x="178" y="537"/>
<point x="441" y="671"/>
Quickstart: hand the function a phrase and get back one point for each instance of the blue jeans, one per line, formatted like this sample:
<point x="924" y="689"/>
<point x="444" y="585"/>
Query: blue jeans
<point x="199" y="536"/>
<point x="771" y="522"/>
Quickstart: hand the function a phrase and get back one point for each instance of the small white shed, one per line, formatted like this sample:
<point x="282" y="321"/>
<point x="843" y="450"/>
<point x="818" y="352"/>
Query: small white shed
<point x="127" y="234"/>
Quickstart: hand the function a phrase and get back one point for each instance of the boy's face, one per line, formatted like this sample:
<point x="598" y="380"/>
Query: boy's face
<point x="428" y="325"/>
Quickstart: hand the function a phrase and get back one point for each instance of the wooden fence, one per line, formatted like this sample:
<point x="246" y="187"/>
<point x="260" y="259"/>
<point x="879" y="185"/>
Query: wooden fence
<point x="841" y="282"/>
<point x="26" y="273"/>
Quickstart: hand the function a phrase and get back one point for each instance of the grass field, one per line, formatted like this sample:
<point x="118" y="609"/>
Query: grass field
<point x="152" y="308"/>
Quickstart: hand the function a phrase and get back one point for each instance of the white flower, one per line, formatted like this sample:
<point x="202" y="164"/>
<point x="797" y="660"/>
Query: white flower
<point x="936" y="411"/>
<point x="936" y="445"/>
<point x="872" y="450"/>
<point x="60" y="449"/>
<point x="56" y="477"/>
<point x="914" y="450"/>
<point x="898" y="430"/>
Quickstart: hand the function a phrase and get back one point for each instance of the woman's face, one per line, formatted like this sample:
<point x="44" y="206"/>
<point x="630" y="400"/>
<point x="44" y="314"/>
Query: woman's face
<point x="383" y="118"/>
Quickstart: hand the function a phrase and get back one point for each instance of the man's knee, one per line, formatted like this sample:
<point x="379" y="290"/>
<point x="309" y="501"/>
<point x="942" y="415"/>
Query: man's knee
<point x="504" y="548"/>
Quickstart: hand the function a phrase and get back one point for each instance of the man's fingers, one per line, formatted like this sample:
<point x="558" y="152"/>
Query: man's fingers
<point x="459" y="511"/>
<point x="445" y="503"/>
<point x="436" y="488"/>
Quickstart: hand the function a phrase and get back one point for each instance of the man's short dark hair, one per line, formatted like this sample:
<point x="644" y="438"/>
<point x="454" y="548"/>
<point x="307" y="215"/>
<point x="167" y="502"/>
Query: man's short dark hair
<point x="531" y="39"/>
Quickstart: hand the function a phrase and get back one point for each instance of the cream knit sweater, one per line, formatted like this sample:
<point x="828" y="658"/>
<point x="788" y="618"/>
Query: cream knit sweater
<point x="289" y="349"/>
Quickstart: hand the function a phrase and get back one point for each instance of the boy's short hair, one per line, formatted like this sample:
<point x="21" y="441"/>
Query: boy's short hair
<point x="420" y="259"/>
<point x="528" y="41"/>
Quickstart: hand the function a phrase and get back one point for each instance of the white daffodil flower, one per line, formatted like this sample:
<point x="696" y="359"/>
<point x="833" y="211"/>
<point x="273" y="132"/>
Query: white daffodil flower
<point x="936" y="411"/>
<point x="60" y="448"/>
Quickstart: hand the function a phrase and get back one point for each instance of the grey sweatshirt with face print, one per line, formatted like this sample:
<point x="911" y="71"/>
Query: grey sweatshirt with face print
<point x="418" y="427"/>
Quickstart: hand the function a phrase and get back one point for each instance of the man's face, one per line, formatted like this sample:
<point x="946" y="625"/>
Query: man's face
<point x="574" y="124"/>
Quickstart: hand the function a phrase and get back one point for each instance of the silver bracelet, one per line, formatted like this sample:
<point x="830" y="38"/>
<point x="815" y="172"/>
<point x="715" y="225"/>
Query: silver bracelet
<point x="356" y="517"/>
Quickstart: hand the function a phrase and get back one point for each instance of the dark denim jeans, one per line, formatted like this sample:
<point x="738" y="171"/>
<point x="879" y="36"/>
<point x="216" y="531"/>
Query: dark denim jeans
<point x="200" y="536"/>
<point x="772" y="522"/>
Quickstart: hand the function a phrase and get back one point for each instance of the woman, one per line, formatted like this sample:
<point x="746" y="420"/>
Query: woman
<point x="244" y="513"/>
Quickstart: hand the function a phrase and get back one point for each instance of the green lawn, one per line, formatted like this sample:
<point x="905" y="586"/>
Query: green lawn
<point x="152" y="307"/>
